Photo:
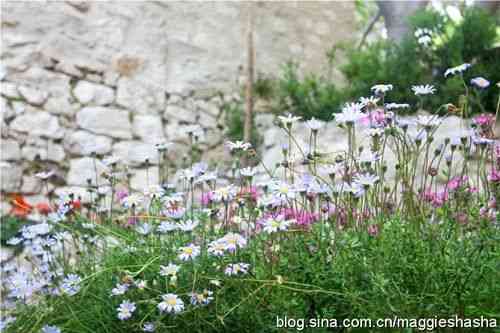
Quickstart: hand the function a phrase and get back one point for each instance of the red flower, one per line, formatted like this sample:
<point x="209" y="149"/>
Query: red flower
<point x="43" y="208"/>
<point x="20" y="207"/>
<point x="76" y="204"/>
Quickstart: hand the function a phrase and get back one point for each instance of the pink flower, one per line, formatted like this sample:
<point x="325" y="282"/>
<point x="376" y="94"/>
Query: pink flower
<point x="121" y="194"/>
<point x="457" y="182"/>
<point x="375" y="118"/>
<point x="373" y="230"/>
<point x="301" y="217"/>
<point x="494" y="176"/>
<point x="437" y="199"/>
<point x="484" y="120"/>
<point x="207" y="198"/>
<point x="132" y="221"/>
<point x="249" y="192"/>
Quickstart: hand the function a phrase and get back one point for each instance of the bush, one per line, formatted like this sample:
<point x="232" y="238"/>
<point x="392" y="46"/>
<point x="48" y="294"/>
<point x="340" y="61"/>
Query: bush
<point x="474" y="40"/>
<point x="314" y="96"/>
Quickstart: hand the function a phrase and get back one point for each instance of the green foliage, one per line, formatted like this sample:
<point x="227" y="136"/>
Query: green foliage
<point x="235" y="120"/>
<point x="405" y="64"/>
<point x="406" y="271"/>
<point x="312" y="96"/>
<point x="9" y="227"/>
<point x="264" y="87"/>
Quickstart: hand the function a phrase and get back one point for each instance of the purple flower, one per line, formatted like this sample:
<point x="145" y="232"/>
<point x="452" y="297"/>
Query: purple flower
<point x="480" y="82"/>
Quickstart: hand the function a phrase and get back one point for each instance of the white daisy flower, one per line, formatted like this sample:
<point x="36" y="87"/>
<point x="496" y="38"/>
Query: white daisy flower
<point x="203" y="298"/>
<point x="366" y="179"/>
<point x="132" y="200"/>
<point x="288" y="120"/>
<point x="381" y="89"/>
<point x="171" y="303"/>
<point x="422" y="89"/>
<point x="274" y="224"/>
<point x="282" y="189"/>
<point x="119" y="289"/>
<point x="314" y="125"/>
<point x="188" y="225"/>
<point x="165" y="227"/>
<point x="71" y="284"/>
<point x="125" y="310"/>
<point x="457" y="70"/>
<point x="238" y="145"/>
<point x="237" y="269"/>
<point x="225" y="194"/>
<point x="169" y="270"/>
<point x="217" y="248"/>
<point x="233" y="241"/>
<point x="188" y="252"/>
<point x="350" y="114"/>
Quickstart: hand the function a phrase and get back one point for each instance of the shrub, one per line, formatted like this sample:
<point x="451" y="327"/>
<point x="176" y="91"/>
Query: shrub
<point x="474" y="40"/>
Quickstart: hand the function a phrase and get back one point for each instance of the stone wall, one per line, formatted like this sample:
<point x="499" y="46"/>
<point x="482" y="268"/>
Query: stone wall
<point x="112" y="77"/>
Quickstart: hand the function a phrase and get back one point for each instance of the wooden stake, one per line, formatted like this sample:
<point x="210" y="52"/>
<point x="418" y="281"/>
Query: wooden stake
<point x="247" y="129"/>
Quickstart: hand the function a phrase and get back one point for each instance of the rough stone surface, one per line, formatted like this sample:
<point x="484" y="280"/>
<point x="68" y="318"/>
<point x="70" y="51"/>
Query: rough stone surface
<point x="178" y="46"/>
<point x="117" y="76"/>
<point x="86" y="143"/>
<point x="61" y="106"/>
<point x="9" y="150"/>
<point x="10" y="177"/>
<point x="108" y="121"/>
<point x="140" y="97"/>
<point x="9" y="90"/>
<point x="142" y="178"/>
<point x="31" y="184"/>
<point x="38" y="123"/>
<point x="36" y="77"/>
<point x="33" y="96"/>
<point x="136" y="152"/>
<point x="93" y="94"/>
<point x="53" y="152"/>
<point x="148" y="128"/>
<point x="179" y="113"/>
<point x="84" y="168"/>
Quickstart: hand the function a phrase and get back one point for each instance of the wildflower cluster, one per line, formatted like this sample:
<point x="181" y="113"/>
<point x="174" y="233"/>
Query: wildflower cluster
<point x="201" y="232"/>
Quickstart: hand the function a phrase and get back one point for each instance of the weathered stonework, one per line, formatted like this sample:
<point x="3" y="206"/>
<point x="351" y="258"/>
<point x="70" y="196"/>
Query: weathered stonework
<point x="116" y="77"/>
